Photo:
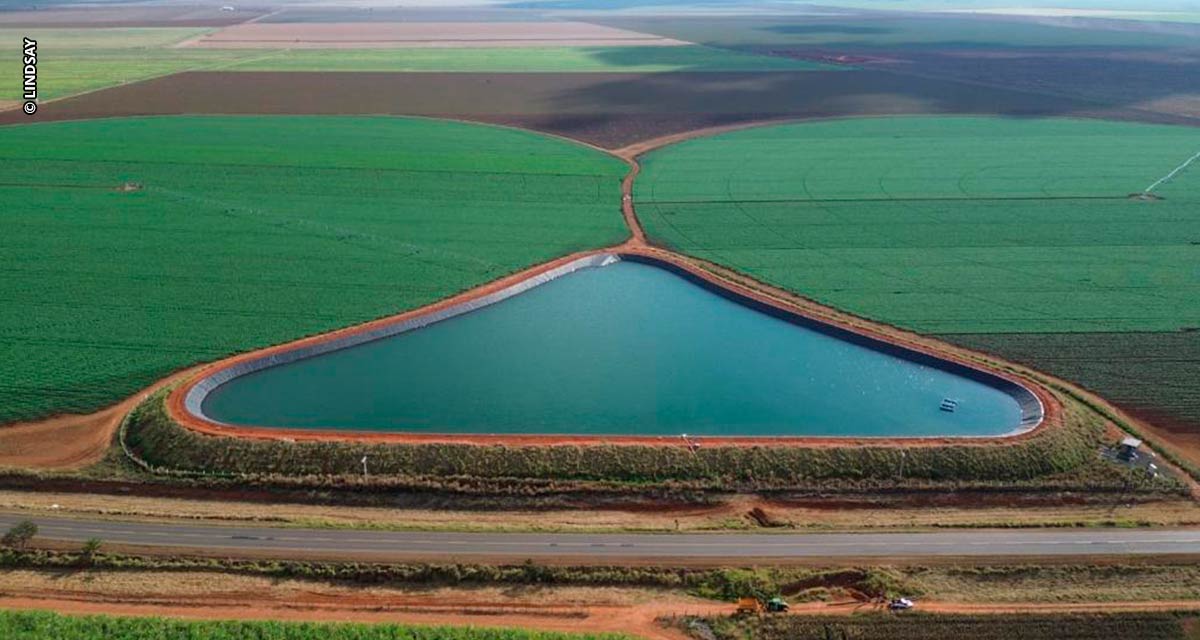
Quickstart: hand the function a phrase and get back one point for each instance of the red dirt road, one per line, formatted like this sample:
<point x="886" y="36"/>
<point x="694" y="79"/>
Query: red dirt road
<point x="641" y="620"/>
<point x="70" y="441"/>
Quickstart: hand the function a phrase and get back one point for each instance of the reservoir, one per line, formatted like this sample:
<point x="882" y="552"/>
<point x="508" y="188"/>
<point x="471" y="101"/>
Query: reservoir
<point x="628" y="348"/>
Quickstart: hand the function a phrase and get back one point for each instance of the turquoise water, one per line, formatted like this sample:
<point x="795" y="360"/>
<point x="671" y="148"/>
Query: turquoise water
<point x="624" y="349"/>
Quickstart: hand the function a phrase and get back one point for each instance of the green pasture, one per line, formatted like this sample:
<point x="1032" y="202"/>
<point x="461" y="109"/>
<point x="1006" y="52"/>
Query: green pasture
<point x="72" y="61"/>
<point x="66" y="39"/>
<point x="40" y="625"/>
<point x="146" y="245"/>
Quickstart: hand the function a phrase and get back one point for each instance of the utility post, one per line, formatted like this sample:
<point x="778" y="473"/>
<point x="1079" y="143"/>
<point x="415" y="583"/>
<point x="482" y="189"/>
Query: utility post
<point x="903" y="457"/>
<point x="364" y="464"/>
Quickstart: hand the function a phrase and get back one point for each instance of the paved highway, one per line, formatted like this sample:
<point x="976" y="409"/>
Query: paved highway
<point x="547" y="546"/>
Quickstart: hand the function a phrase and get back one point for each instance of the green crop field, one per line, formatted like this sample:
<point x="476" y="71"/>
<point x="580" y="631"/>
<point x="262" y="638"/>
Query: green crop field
<point x="947" y="225"/>
<point x="1153" y="374"/>
<point x="72" y="61"/>
<point x="951" y="226"/>
<point x="241" y="232"/>
<point x="36" y="625"/>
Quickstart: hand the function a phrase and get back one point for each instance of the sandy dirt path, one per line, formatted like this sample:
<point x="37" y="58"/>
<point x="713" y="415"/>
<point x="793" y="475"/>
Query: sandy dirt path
<point x="71" y="441"/>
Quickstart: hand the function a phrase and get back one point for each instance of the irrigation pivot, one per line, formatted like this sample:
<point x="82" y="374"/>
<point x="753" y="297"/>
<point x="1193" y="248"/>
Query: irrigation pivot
<point x="1173" y="173"/>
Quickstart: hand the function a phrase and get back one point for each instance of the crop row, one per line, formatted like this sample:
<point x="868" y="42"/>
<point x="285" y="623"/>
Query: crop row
<point x="1152" y="372"/>
<point x="39" y="625"/>
<point x="1097" y="626"/>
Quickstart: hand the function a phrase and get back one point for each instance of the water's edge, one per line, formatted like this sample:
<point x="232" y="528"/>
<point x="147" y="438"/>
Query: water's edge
<point x="1032" y="410"/>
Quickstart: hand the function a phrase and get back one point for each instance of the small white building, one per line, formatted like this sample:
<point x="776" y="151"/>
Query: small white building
<point x="1128" y="449"/>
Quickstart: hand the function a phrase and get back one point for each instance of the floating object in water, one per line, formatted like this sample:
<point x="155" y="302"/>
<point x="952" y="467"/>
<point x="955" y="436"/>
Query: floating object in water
<point x="948" y="405"/>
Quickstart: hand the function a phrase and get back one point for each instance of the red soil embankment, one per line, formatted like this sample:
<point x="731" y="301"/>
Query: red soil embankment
<point x="635" y="246"/>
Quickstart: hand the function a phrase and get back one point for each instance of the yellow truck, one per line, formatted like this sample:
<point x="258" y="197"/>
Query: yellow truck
<point x="749" y="607"/>
<point x="754" y="606"/>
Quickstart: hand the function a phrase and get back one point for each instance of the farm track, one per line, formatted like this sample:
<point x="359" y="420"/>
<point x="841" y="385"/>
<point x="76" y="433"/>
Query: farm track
<point x="71" y="441"/>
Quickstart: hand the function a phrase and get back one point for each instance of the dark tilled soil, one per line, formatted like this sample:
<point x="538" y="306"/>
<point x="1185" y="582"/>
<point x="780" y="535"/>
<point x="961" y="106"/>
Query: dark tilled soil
<point x="1163" y="81"/>
<point x="607" y="109"/>
<point x="1152" y="375"/>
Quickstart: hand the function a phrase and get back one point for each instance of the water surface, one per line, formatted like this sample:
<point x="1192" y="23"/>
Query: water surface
<point x="628" y="349"/>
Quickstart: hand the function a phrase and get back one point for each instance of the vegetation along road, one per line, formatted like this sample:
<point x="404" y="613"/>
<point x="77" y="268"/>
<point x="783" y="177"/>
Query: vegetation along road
<point x="1072" y="542"/>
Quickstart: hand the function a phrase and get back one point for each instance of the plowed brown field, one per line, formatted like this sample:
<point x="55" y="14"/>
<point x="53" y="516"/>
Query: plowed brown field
<point x="607" y="109"/>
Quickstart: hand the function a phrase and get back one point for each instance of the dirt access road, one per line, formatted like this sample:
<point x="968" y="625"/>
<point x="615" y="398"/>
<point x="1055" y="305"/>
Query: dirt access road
<point x="636" y="611"/>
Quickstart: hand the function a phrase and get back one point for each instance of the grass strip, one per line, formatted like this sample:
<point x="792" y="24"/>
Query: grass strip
<point x="39" y="625"/>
